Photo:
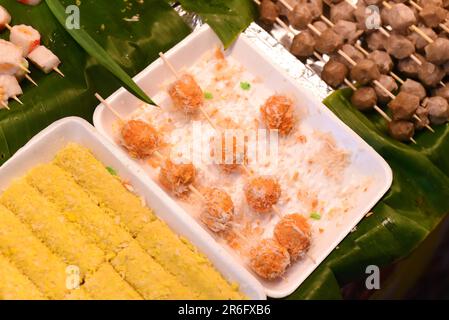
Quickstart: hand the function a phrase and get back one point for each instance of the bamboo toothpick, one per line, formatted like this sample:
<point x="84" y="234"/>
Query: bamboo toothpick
<point x="17" y="99"/>
<point x="107" y="105"/>
<point x="4" y="105"/>
<point x="56" y="69"/>
<point x="31" y="80"/>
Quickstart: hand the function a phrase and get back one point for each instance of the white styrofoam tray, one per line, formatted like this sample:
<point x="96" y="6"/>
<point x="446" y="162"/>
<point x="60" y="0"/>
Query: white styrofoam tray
<point x="44" y="146"/>
<point x="364" y="158"/>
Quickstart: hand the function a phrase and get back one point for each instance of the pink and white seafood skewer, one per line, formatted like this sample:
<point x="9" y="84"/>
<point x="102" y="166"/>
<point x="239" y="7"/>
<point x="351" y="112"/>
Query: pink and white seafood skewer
<point x="25" y="37"/>
<point x="30" y="2"/>
<point x="45" y="60"/>
<point x="5" y="18"/>
<point x="12" y="62"/>
<point x="9" y="88"/>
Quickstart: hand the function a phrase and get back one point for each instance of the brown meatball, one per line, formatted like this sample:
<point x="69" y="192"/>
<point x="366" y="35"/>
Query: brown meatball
<point x="268" y="11"/>
<point x="401" y="17"/>
<point x="367" y="20"/>
<point x="329" y="42"/>
<point x="320" y="26"/>
<point x="399" y="46"/>
<point x="430" y="74"/>
<point x="419" y="42"/>
<point x="364" y="98"/>
<point x="376" y="41"/>
<point x="300" y="17"/>
<point x="342" y="11"/>
<point x="303" y="45"/>
<point x="388" y="83"/>
<point x="218" y="211"/>
<point x="413" y="87"/>
<point x="433" y="15"/>
<point x="177" y="177"/>
<point x="382" y="60"/>
<point x="352" y="52"/>
<point x="404" y="106"/>
<point x="438" y="51"/>
<point x="365" y="71"/>
<point x="423" y="115"/>
<point x="409" y="67"/>
<point x="262" y="193"/>
<point x="278" y="113"/>
<point x="438" y="110"/>
<point x="293" y="233"/>
<point x="348" y="30"/>
<point x="315" y="7"/>
<point x="269" y="259"/>
<point x="140" y="138"/>
<point x="334" y="73"/>
<point x="442" y="92"/>
<point x="401" y="130"/>
<point x="186" y="94"/>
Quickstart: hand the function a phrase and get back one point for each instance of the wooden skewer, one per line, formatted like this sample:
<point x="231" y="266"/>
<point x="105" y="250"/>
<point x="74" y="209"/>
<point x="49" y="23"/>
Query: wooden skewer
<point x="107" y="105"/>
<point x="382" y="113"/>
<point x="24" y="68"/>
<point x="384" y="32"/>
<point x="17" y="99"/>
<point x="31" y="80"/>
<point x="56" y="69"/>
<point x="8" y="26"/>
<point x="419" y="8"/>
<point x="176" y="74"/>
<point x="4" y="105"/>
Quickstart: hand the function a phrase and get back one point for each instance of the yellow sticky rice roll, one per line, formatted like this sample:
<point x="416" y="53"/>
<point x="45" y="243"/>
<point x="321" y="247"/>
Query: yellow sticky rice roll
<point x="59" y="187"/>
<point x="51" y="227"/>
<point x="35" y="260"/>
<point x="14" y="285"/>
<point x="106" y="284"/>
<point x="106" y="189"/>
<point x="147" y="276"/>
<point x="78" y="294"/>
<point x="190" y="267"/>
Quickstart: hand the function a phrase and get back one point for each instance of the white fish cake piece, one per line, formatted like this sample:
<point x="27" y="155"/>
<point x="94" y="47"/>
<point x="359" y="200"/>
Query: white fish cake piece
<point x="10" y="57"/>
<point x="44" y="59"/>
<point x="25" y="37"/>
<point x="5" y="18"/>
<point x="10" y="86"/>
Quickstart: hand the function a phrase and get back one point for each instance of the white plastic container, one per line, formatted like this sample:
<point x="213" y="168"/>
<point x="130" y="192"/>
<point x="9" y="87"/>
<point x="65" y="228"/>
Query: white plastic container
<point x="44" y="146"/>
<point x="364" y="158"/>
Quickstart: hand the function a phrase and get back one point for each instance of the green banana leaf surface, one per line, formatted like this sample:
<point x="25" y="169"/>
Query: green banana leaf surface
<point x="416" y="203"/>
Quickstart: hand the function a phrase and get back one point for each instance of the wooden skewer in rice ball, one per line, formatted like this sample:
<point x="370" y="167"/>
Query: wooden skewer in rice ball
<point x="177" y="177"/>
<point x="140" y="138"/>
<point x="293" y="233"/>
<point x="218" y="211"/>
<point x="278" y="113"/>
<point x="186" y="94"/>
<point x="262" y="193"/>
<point x="269" y="259"/>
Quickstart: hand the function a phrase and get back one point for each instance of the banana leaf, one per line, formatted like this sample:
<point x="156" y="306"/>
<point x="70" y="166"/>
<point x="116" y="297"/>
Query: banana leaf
<point x="133" y="45"/>
<point x="409" y="212"/>
<point x="227" y="18"/>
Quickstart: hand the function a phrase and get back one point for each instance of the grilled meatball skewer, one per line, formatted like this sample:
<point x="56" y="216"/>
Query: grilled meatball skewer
<point x="396" y="77"/>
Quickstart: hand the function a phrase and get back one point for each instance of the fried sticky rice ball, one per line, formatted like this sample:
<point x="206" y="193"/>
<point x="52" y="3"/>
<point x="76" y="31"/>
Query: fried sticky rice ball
<point x="269" y="259"/>
<point x="186" y="94"/>
<point x="140" y="138"/>
<point x="262" y="193"/>
<point x="177" y="177"/>
<point x="293" y="233"/>
<point x="218" y="210"/>
<point x="277" y="113"/>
